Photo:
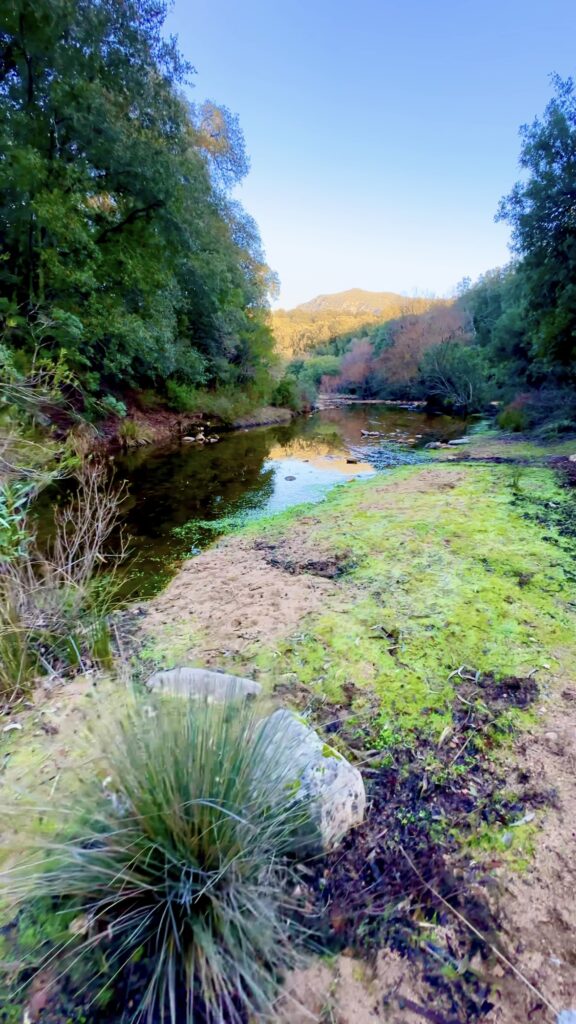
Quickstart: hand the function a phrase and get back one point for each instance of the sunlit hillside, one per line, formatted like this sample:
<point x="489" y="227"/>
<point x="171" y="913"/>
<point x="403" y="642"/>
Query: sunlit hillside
<point x="327" y="316"/>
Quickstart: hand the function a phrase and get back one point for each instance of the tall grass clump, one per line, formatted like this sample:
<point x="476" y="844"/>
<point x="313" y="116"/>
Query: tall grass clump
<point x="176" y="866"/>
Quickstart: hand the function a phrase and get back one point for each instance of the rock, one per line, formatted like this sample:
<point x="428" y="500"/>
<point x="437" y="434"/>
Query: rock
<point x="331" y="787"/>
<point x="553" y="742"/>
<point x="188" y="440"/>
<point x="352" y="462"/>
<point x="289" y="477"/>
<point x="370" y="433"/>
<point x="460" y="440"/>
<point x="572" y="458"/>
<point x="566" y="1017"/>
<point x="201" y="682"/>
<point x="433" y="444"/>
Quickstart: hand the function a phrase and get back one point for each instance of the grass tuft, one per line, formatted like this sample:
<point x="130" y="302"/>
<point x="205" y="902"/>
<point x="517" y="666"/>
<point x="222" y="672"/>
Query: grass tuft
<point x="176" y="866"/>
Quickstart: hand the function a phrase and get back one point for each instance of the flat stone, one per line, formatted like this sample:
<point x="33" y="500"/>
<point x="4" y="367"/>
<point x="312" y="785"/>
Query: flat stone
<point x="332" y="788"/>
<point x="460" y="440"/>
<point x="203" y="683"/>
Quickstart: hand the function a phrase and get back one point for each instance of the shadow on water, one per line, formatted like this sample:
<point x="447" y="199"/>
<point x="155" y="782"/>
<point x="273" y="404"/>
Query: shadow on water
<point x="182" y="497"/>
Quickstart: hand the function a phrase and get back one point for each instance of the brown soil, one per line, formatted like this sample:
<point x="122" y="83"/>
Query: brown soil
<point x="232" y="597"/>
<point x="407" y="957"/>
<point x="538" y="907"/>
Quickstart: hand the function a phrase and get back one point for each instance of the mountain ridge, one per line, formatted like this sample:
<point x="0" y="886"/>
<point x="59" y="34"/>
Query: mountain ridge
<point x="358" y="300"/>
<point x="301" y="329"/>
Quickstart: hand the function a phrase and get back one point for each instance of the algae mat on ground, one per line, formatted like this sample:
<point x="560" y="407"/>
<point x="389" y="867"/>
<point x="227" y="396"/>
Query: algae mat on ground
<point x="443" y="568"/>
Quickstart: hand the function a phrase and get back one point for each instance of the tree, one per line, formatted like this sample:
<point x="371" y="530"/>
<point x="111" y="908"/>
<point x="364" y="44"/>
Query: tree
<point x="542" y="213"/>
<point x="114" y="206"/>
<point x="454" y="374"/>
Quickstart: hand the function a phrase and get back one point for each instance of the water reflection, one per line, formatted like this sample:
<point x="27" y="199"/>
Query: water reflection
<point x="182" y="497"/>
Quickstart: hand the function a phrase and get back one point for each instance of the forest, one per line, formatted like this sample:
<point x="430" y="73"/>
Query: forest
<point x="125" y="262"/>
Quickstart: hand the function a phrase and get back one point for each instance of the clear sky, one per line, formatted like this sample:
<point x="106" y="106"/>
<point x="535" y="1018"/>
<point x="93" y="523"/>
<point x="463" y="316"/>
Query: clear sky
<point x="381" y="133"/>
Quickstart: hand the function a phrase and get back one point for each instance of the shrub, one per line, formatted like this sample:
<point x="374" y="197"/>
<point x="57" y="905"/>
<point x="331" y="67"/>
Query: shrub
<point x="114" y="406"/>
<point x="178" y="861"/>
<point x="286" y="393"/>
<point x="181" y="397"/>
<point x="54" y="599"/>
<point x="512" y="418"/>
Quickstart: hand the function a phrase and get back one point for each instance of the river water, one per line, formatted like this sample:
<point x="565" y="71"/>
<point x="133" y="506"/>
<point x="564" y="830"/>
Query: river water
<point x="182" y="497"/>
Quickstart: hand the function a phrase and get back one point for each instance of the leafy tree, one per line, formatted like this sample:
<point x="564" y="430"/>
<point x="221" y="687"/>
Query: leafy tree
<point x="454" y="375"/>
<point x="542" y="213"/>
<point x="113" y="200"/>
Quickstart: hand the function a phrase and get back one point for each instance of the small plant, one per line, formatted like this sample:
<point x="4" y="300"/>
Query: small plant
<point x="516" y="474"/>
<point x="131" y="432"/>
<point x="513" y="418"/>
<point x="177" y="862"/>
<point x="114" y="406"/>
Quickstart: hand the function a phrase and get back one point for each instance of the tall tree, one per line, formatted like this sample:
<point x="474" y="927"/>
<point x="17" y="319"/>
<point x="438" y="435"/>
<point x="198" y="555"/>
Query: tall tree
<point x="542" y="212"/>
<point x="113" y="198"/>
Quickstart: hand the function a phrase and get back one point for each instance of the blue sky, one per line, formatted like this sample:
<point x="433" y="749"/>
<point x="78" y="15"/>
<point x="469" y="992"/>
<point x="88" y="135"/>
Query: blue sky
<point x="381" y="134"/>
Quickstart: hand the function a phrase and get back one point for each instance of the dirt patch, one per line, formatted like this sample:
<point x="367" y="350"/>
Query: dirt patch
<point x="538" y="907"/>
<point x="297" y="553"/>
<point x="427" y="481"/>
<point x="234" y="597"/>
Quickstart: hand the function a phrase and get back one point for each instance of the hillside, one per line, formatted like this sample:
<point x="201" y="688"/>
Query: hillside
<point x="343" y="313"/>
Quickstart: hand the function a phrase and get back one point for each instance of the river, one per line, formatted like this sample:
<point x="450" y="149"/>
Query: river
<point x="183" y="496"/>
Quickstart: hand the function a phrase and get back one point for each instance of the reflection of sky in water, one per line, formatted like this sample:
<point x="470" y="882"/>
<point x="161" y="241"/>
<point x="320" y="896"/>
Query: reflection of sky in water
<point x="312" y="479"/>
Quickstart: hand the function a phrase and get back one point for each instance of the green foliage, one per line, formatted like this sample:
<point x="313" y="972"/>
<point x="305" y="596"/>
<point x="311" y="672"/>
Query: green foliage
<point x="453" y="375"/>
<point x="286" y="394"/>
<point x="114" y="406"/>
<point x="177" y="861"/>
<point x="118" y="233"/>
<point x="512" y="418"/>
<point x="540" y="210"/>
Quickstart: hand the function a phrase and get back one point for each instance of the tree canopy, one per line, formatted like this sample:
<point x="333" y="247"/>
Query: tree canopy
<point x="116" y="220"/>
<point x="542" y="212"/>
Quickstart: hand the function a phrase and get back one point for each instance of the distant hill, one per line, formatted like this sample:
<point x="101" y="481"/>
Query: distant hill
<point x="303" y="328"/>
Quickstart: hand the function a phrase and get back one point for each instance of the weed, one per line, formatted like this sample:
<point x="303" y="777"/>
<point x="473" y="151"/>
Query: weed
<point x="54" y="602"/>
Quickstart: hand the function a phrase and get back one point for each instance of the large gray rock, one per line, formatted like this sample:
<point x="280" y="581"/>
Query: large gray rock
<point x="202" y="683"/>
<point x="331" y="788"/>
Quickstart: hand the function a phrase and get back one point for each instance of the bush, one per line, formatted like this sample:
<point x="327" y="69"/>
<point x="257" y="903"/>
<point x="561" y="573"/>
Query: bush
<point x="54" y="599"/>
<point x="178" y="861"/>
<point x="512" y="418"/>
<point x="114" y="406"/>
<point x="286" y="394"/>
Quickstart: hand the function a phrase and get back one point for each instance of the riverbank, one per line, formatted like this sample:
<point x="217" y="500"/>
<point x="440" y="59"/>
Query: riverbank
<point x="424" y="619"/>
<point x="158" y="426"/>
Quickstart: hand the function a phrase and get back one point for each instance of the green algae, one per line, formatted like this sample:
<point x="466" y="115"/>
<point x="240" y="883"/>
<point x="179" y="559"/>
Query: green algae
<point x="447" y="572"/>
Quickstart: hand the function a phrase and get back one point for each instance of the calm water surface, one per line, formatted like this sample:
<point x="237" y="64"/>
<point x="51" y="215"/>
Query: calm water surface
<point x="182" y="497"/>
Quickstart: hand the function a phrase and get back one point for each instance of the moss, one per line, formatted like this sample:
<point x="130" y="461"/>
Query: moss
<point x="167" y="646"/>
<point x="496" y="444"/>
<point x="513" y="846"/>
<point x="447" y="572"/>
